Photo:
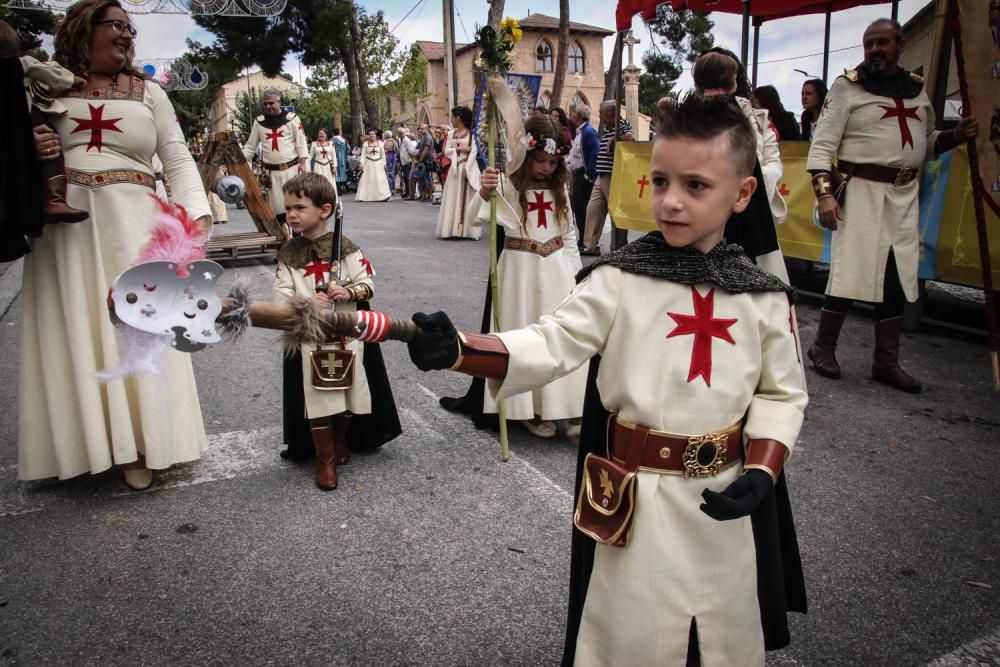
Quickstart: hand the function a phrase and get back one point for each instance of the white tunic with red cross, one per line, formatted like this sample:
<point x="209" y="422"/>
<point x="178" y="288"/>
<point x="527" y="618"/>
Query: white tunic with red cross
<point x="535" y="276"/>
<point x="303" y="281"/>
<point x="281" y="145"/>
<point x="687" y="360"/>
<point x="864" y="128"/>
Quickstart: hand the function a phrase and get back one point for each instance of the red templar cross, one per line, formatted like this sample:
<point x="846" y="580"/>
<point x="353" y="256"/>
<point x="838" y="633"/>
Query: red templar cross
<point x="642" y="183"/>
<point x="317" y="269"/>
<point x="367" y="263"/>
<point x="96" y="124"/>
<point x="704" y="327"/>
<point x="901" y="112"/>
<point x="273" y="136"/>
<point x="541" y="206"/>
<point x="783" y="190"/>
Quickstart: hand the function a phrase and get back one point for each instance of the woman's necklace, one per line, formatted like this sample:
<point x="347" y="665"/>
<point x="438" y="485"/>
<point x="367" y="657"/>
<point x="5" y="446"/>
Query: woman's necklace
<point x="112" y="77"/>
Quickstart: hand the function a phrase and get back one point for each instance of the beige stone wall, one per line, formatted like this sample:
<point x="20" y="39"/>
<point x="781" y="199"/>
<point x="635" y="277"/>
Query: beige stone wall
<point x="918" y="51"/>
<point x="592" y="88"/>
<point x="224" y="104"/>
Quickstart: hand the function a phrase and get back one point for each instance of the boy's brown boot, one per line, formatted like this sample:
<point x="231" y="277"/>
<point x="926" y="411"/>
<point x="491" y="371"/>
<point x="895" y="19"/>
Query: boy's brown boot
<point x="339" y="424"/>
<point x="821" y="352"/>
<point x="326" y="461"/>
<point x="54" y="206"/>
<point x="885" y="365"/>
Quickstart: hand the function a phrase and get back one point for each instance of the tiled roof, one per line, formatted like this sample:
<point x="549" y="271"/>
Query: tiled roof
<point x="543" y="22"/>
<point x="435" y="50"/>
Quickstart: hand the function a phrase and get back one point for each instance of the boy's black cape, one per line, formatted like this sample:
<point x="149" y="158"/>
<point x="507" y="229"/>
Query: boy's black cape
<point x="780" y="583"/>
<point x="753" y="228"/>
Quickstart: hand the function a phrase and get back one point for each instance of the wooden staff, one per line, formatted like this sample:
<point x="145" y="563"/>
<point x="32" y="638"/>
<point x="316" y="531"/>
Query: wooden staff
<point x="978" y="193"/>
<point x="283" y="316"/>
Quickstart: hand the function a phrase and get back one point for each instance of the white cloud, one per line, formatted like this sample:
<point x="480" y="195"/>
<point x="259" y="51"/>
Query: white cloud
<point x="162" y="35"/>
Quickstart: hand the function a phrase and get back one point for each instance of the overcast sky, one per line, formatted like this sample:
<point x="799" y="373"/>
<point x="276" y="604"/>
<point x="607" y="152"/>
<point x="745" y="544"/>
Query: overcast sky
<point x="785" y="45"/>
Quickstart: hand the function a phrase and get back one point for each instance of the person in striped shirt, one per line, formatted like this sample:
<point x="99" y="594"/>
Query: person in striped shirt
<point x="597" y="207"/>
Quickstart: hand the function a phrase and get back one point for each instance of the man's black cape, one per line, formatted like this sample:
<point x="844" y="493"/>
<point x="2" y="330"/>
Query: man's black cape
<point x="20" y="171"/>
<point x="780" y="582"/>
<point x="366" y="432"/>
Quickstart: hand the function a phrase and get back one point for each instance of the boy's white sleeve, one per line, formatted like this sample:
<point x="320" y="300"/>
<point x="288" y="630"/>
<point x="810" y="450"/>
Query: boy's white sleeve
<point x="284" y="287"/>
<point x="777" y="408"/>
<point x="563" y="341"/>
<point x="359" y="270"/>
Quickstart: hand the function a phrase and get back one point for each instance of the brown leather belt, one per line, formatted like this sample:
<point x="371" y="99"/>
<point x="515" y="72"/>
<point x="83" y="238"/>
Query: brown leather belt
<point x="98" y="179"/>
<point x="527" y="245"/>
<point x="673" y="454"/>
<point x="281" y="167"/>
<point x="898" y="176"/>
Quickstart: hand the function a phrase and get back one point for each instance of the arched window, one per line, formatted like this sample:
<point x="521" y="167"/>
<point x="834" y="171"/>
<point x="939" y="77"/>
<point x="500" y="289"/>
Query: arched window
<point x="575" y="58"/>
<point x="579" y="99"/>
<point x="543" y="57"/>
<point x="544" y="99"/>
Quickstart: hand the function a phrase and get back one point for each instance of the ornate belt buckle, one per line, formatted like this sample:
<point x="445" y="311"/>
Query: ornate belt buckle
<point x="705" y="454"/>
<point x="904" y="176"/>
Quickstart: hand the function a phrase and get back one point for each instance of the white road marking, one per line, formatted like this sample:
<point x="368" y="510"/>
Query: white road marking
<point x="982" y="651"/>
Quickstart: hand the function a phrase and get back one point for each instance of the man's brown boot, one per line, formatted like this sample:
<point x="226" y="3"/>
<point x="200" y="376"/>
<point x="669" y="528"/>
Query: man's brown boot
<point x="885" y="365"/>
<point x="340" y="424"/>
<point x="821" y="352"/>
<point x="54" y="206"/>
<point x="326" y="462"/>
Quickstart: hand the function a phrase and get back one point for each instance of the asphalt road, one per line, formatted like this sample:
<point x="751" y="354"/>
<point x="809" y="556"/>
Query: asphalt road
<point x="433" y="551"/>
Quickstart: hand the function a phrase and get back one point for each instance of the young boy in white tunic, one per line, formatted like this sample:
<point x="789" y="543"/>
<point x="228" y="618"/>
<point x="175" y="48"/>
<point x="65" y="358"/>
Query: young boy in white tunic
<point x="700" y="393"/>
<point x="307" y="268"/>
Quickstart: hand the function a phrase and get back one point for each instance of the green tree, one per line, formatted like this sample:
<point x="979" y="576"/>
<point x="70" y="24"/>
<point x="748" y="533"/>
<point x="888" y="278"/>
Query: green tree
<point x="193" y="107"/>
<point x="30" y="25"/>
<point x="684" y="35"/>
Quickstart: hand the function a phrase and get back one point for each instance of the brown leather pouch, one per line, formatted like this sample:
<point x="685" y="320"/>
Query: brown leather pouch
<point x="332" y="368"/>
<point x="606" y="506"/>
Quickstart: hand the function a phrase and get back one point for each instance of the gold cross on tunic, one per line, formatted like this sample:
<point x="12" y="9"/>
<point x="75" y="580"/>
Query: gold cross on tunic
<point x="331" y="364"/>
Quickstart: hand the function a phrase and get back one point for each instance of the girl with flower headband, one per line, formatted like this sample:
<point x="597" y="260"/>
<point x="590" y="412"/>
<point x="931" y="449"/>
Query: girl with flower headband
<point x="538" y="266"/>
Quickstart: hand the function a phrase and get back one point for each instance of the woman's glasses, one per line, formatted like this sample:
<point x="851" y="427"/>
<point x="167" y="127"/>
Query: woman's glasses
<point x="119" y="26"/>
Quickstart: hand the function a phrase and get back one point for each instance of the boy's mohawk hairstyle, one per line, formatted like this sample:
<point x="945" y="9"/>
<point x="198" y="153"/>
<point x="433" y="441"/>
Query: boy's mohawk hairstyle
<point x="705" y="117"/>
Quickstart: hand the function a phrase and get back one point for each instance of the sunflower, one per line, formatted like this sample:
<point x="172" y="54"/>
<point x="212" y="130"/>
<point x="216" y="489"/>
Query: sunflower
<point x="512" y="29"/>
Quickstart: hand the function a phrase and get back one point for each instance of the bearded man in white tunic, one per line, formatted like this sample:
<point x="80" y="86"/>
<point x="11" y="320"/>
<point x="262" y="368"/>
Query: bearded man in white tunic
<point x="283" y="141"/>
<point x="879" y="122"/>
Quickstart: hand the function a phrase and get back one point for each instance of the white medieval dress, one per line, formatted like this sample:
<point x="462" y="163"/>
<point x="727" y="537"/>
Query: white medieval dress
<point x="457" y="194"/>
<point x="536" y="272"/>
<point x="283" y="145"/>
<point x="69" y="423"/>
<point x="323" y="161"/>
<point x="373" y="185"/>
<point x="684" y="359"/>
<point x="302" y="281"/>
<point x="865" y="128"/>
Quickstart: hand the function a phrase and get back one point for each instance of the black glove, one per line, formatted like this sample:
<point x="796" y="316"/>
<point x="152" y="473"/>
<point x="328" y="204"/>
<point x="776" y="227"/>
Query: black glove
<point x="740" y="498"/>
<point x="436" y="346"/>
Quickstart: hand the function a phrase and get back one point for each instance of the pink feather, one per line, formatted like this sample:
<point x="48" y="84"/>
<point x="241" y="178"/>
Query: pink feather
<point x="175" y="237"/>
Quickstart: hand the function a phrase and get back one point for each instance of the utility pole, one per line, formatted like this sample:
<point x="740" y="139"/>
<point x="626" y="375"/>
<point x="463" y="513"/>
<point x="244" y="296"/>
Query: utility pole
<point x="450" y="75"/>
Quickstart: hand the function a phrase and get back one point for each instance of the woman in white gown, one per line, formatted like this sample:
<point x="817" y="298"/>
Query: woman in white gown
<point x="457" y="191"/>
<point x="373" y="185"/>
<point x="69" y="423"/>
<point x="323" y="158"/>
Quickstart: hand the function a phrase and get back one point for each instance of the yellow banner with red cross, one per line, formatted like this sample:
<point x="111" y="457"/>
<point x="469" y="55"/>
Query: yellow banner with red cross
<point x="948" y="249"/>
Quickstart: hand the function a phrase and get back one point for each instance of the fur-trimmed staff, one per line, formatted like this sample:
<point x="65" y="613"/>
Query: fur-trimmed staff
<point x="306" y="321"/>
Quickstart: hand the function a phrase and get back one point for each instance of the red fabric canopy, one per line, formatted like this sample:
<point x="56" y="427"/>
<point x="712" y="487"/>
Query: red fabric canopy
<point x="759" y="9"/>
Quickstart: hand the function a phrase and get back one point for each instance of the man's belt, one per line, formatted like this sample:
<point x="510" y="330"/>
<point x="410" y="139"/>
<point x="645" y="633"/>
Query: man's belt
<point x="673" y="454"/>
<point x="281" y="167"/>
<point x="99" y="179"/>
<point x="898" y="176"/>
<point x="527" y="245"/>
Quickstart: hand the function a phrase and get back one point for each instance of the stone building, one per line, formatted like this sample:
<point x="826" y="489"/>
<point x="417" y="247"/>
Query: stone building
<point x="916" y="56"/>
<point x="534" y="54"/>
<point x="224" y="104"/>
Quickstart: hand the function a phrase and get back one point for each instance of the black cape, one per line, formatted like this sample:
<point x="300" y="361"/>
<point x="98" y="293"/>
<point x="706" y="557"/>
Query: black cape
<point x="471" y="403"/>
<point x="366" y="432"/>
<point x="753" y="228"/>
<point x="780" y="582"/>
<point x="20" y="171"/>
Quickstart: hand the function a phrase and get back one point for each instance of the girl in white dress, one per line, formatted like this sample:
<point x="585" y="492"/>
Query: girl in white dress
<point x="69" y="423"/>
<point x="538" y="266"/>
<point x="323" y="158"/>
<point x="373" y="185"/>
<point x="457" y="191"/>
